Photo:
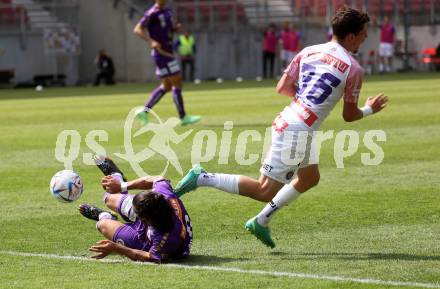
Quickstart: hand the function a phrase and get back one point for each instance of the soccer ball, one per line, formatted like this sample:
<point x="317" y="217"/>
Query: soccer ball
<point x="66" y="186"/>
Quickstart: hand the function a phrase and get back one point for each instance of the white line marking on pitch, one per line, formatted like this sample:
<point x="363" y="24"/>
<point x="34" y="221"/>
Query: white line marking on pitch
<point x="235" y="270"/>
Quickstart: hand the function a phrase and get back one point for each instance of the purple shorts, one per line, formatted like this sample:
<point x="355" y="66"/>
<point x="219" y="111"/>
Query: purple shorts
<point x="165" y="66"/>
<point x="132" y="234"/>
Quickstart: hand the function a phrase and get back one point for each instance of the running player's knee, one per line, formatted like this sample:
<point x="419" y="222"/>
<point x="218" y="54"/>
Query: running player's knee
<point x="101" y="226"/>
<point x="112" y="202"/>
<point x="266" y="192"/>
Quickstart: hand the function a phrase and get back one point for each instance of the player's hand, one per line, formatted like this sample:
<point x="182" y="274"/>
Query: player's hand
<point x="103" y="248"/>
<point x="111" y="184"/>
<point x="155" y="45"/>
<point x="378" y="102"/>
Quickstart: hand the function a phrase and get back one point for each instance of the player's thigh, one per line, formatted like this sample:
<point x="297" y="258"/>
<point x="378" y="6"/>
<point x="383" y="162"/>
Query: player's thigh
<point x="166" y="83"/>
<point x="109" y="227"/>
<point x="131" y="235"/>
<point x="261" y="190"/>
<point x="176" y="80"/>
<point x="269" y="187"/>
<point x="113" y="201"/>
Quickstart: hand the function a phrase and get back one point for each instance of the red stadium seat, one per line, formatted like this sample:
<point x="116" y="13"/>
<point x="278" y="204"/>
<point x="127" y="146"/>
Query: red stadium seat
<point x="241" y="13"/>
<point x="205" y="10"/>
<point x="224" y="11"/>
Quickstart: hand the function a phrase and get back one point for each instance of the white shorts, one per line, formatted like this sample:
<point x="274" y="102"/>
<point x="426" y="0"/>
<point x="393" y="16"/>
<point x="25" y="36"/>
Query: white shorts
<point x="291" y="150"/>
<point x="386" y="49"/>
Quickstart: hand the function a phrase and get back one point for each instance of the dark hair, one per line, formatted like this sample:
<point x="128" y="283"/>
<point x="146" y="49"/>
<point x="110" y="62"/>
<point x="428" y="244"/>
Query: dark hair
<point x="153" y="208"/>
<point x="347" y="21"/>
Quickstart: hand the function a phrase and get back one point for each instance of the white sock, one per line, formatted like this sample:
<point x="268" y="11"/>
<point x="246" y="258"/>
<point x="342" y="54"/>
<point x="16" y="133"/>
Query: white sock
<point x="286" y="195"/>
<point x="102" y="216"/>
<point x="224" y="182"/>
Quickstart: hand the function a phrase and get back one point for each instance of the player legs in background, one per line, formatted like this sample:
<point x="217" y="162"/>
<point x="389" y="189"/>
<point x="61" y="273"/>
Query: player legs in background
<point x="171" y="79"/>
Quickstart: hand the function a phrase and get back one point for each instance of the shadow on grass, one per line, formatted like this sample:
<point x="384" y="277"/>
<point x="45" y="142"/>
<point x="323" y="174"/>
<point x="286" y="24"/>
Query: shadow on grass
<point x="364" y="256"/>
<point x="208" y="260"/>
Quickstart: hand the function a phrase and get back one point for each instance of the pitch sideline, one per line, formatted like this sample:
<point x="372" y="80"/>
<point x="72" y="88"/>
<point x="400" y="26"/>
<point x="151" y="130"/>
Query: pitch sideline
<point x="234" y="270"/>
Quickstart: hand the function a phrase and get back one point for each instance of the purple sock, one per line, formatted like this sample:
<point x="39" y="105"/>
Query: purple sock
<point x="155" y="96"/>
<point x="178" y="100"/>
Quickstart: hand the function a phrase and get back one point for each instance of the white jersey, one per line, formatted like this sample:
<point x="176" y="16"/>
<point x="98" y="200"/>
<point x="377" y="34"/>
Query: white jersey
<point x="323" y="73"/>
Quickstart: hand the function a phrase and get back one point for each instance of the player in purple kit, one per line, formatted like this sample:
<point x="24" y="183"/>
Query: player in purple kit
<point x="156" y="28"/>
<point x="157" y="228"/>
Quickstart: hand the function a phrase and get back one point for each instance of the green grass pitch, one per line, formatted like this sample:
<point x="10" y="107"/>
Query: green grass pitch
<point x="367" y="226"/>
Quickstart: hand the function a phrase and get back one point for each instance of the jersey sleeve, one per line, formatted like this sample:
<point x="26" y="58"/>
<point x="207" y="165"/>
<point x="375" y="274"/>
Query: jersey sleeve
<point x="353" y="84"/>
<point x="145" y="19"/>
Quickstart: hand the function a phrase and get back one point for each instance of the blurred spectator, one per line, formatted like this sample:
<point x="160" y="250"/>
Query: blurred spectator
<point x="186" y="48"/>
<point x="284" y="54"/>
<point x="294" y="42"/>
<point x="270" y="42"/>
<point x="386" y="46"/>
<point x="106" y="69"/>
<point x="290" y="44"/>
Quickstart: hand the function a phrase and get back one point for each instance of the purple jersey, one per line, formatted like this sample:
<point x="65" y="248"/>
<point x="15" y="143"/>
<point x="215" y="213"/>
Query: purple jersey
<point x="174" y="244"/>
<point x="177" y="242"/>
<point x="158" y="22"/>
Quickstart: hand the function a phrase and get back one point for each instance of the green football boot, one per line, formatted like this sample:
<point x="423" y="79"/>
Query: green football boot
<point x="190" y="119"/>
<point x="189" y="182"/>
<point x="262" y="233"/>
<point x="142" y="115"/>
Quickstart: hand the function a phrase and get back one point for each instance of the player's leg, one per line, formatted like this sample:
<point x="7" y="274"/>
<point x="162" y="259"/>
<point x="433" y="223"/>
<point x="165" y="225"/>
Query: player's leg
<point x="264" y="63"/>
<point x="116" y="231"/>
<point x="176" y="81"/>
<point x="108" y="167"/>
<point x="155" y="96"/>
<point x="382" y="56"/>
<point x="191" y="69"/>
<point x="308" y="177"/>
<point x="263" y="189"/>
<point x="272" y="63"/>
<point x="108" y="227"/>
<point x="126" y="234"/>
<point x="157" y="93"/>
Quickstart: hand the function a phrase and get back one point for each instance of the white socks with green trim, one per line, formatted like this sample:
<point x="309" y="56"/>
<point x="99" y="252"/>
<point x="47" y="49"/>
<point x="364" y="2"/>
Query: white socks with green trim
<point x="225" y="182"/>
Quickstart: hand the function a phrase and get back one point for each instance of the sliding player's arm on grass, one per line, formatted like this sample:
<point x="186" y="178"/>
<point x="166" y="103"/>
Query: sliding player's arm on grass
<point x="113" y="185"/>
<point x="351" y="111"/>
<point x="104" y="248"/>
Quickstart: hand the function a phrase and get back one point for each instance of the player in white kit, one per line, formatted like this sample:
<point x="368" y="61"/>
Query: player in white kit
<point x="316" y="79"/>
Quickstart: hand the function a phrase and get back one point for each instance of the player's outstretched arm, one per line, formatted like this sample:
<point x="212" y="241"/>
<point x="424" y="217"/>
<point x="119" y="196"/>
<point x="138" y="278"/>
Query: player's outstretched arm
<point x="351" y="112"/>
<point x="286" y="86"/>
<point x="141" y="33"/>
<point x="114" y="186"/>
<point x="104" y="248"/>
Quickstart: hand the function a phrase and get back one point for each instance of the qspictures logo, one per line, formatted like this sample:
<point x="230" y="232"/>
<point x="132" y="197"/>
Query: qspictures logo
<point x="292" y="147"/>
